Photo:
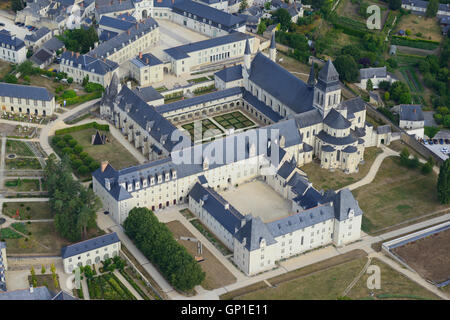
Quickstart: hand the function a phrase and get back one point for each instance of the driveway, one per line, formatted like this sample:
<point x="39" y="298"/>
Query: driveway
<point x="20" y="32"/>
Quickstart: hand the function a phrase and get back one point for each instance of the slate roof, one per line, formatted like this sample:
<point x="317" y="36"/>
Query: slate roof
<point x="336" y="120"/>
<point x="353" y="105"/>
<point x="88" y="245"/>
<point x="370" y="73"/>
<point x="89" y="63"/>
<point x="254" y="231"/>
<point x="116" y="6"/>
<point x="7" y="39"/>
<point x="286" y="169"/>
<point x="411" y="112"/>
<point x="54" y="44"/>
<point x="41" y="56"/>
<point x="230" y="74"/>
<point x="182" y="52"/>
<point x="350" y="149"/>
<point x="201" y="11"/>
<point x="39" y="293"/>
<point x="107" y="47"/>
<point x="2" y="268"/>
<point x="281" y="84"/>
<point x="106" y="21"/>
<point x="38" y="34"/>
<point x="105" y="35"/>
<point x="147" y="60"/>
<point x="328" y="148"/>
<point x="261" y="106"/>
<point x="214" y="204"/>
<point x="384" y="129"/>
<point x="308" y="118"/>
<point x="325" y="137"/>
<point x="328" y="78"/>
<point x="24" y="92"/>
<point x="148" y="93"/>
<point x="343" y="202"/>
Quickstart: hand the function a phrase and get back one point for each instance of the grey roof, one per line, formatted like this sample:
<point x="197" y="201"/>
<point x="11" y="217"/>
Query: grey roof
<point x="214" y="204"/>
<point x="148" y="94"/>
<point x="41" y="56"/>
<point x="261" y="106"/>
<point x="230" y="74"/>
<point x="273" y="44"/>
<point x="281" y="84"/>
<point x="6" y="39"/>
<point x="307" y="147"/>
<point x="328" y="79"/>
<point x="114" y="6"/>
<point x="24" y="92"/>
<point x="370" y="73"/>
<point x="111" y="22"/>
<point x="312" y="76"/>
<point x="247" y="48"/>
<point x="328" y="148"/>
<point x="343" y="203"/>
<point x="107" y="47"/>
<point x="336" y="120"/>
<point x="88" y="63"/>
<point x="147" y="60"/>
<point x="181" y="52"/>
<point x="38" y="34"/>
<point x="353" y="105"/>
<point x="105" y="35"/>
<point x="225" y="20"/>
<point x="39" y="293"/>
<point x="54" y="44"/>
<point x="384" y="129"/>
<point x="350" y="149"/>
<point x="89" y="245"/>
<point x="254" y="231"/>
<point x="411" y="112"/>
<point x="339" y="141"/>
<point x="308" y="118"/>
<point x="286" y="169"/>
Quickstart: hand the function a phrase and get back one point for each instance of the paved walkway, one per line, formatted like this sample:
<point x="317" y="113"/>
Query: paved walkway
<point x="128" y="285"/>
<point x="84" y="287"/>
<point x="2" y="160"/>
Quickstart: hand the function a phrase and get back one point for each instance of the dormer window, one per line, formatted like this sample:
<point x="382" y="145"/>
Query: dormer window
<point x="130" y="187"/>
<point x="174" y="174"/>
<point x="137" y="185"/>
<point x="152" y="181"/>
<point x="160" y="178"/>
<point x="144" y="183"/>
<point x="167" y="176"/>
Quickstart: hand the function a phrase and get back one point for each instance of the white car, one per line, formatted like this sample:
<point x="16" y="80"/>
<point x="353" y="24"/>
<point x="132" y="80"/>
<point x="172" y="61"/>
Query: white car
<point x="444" y="150"/>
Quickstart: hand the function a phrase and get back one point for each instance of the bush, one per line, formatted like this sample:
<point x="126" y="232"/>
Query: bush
<point x="83" y="170"/>
<point x="72" y="143"/>
<point x="77" y="149"/>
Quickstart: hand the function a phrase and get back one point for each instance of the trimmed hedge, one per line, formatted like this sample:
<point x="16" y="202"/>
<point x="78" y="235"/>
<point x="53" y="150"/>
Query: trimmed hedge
<point x="414" y="43"/>
<point x="95" y="125"/>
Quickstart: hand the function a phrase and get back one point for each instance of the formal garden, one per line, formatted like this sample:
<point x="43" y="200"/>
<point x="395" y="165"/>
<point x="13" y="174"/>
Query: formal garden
<point x="206" y="124"/>
<point x="234" y="120"/>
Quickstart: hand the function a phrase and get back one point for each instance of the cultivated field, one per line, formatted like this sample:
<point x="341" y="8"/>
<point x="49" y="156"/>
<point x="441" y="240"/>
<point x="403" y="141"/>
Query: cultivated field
<point x="429" y="256"/>
<point x="428" y="28"/>
<point x="113" y="151"/>
<point x="216" y="274"/>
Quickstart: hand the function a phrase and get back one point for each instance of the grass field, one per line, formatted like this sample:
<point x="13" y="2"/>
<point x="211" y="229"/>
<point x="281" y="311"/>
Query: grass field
<point x="216" y="274"/>
<point x="23" y="185"/>
<point x="19" y="148"/>
<point x="329" y="284"/>
<point x="235" y="120"/>
<point x="37" y="210"/>
<point x="396" y="195"/>
<point x="429" y="28"/>
<point x="322" y="179"/>
<point x="113" y="151"/>
<point x="206" y="124"/>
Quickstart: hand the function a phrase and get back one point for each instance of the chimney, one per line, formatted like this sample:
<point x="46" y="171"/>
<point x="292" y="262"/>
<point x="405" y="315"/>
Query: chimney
<point x="72" y="53"/>
<point x="103" y="165"/>
<point x="78" y="54"/>
<point x="140" y="55"/>
<point x="31" y="289"/>
<point x="227" y="206"/>
<point x="128" y="31"/>
<point x="129" y="84"/>
<point x="64" y="49"/>
<point x="414" y="110"/>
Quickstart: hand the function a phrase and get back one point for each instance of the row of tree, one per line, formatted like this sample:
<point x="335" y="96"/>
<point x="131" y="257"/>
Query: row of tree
<point x="73" y="205"/>
<point x="157" y="243"/>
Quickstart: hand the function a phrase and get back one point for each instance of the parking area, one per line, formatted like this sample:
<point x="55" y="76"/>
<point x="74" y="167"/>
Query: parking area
<point x="440" y="147"/>
<point x="257" y="198"/>
<point x="20" y="32"/>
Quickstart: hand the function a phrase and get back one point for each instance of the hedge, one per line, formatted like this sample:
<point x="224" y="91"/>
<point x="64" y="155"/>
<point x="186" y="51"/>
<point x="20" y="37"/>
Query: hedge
<point x="414" y="43"/>
<point x="95" y="125"/>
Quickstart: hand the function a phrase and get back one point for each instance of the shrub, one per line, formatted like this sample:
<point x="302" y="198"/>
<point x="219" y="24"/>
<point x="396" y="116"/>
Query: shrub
<point x="83" y="170"/>
<point x="77" y="149"/>
<point x="72" y="142"/>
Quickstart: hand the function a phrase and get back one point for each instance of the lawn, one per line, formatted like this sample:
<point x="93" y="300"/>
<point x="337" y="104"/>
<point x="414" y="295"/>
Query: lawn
<point x="429" y="28"/>
<point x="108" y="287"/>
<point x="22" y="185"/>
<point x="23" y="163"/>
<point x="235" y="120"/>
<point x="206" y="124"/>
<point x="396" y="195"/>
<point x="113" y="151"/>
<point x="217" y="275"/>
<point x="323" y="179"/>
<point x="19" y="148"/>
<point x="329" y="284"/>
<point x="28" y="210"/>
<point x="211" y="237"/>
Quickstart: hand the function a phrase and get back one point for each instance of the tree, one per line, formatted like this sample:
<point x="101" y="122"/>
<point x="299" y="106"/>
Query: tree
<point x="346" y="67"/>
<point x="261" y="27"/>
<point x="386" y="96"/>
<point x="267" y="5"/>
<point x="369" y="85"/>
<point x="17" y="5"/>
<point x="243" y="5"/>
<point x="443" y="184"/>
<point x="284" y="18"/>
<point x="395" y="4"/>
<point x="88" y="272"/>
<point x="43" y="269"/>
<point x="432" y="8"/>
<point x="10" y="78"/>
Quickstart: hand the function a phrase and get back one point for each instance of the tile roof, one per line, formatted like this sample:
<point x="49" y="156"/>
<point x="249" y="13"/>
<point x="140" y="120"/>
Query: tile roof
<point x="89" y="245"/>
<point x="24" y="92"/>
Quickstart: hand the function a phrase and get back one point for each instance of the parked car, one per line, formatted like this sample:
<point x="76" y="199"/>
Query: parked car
<point x="425" y="142"/>
<point x="435" y="141"/>
<point x="441" y="141"/>
<point x="17" y="23"/>
<point x="446" y="141"/>
<point x="2" y="24"/>
<point x="430" y="142"/>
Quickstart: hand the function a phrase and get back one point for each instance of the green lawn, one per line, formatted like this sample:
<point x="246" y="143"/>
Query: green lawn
<point x="28" y="210"/>
<point x="19" y="148"/>
<point x="329" y="284"/>
<point x="397" y="194"/>
<point x="113" y="151"/>
<point x="235" y="120"/>
<point x="324" y="179"/>
<point x="21" y="185"/>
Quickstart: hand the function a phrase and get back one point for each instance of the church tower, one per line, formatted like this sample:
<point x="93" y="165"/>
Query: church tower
<point x="273" y="49"/>
<point x="327" y="91"/>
